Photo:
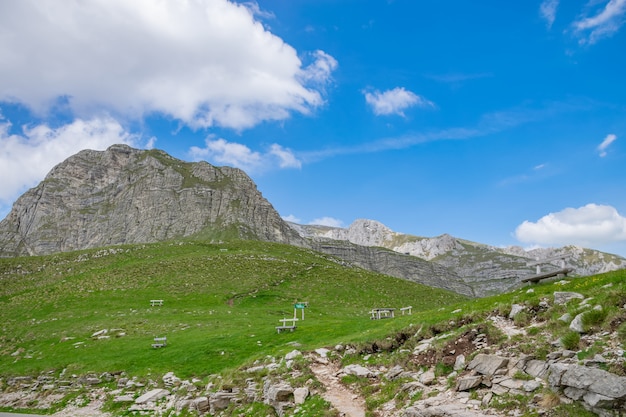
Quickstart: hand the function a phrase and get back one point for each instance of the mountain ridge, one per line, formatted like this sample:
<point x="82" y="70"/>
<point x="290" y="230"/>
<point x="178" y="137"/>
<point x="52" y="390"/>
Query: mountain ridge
<point x="124" y="195"/>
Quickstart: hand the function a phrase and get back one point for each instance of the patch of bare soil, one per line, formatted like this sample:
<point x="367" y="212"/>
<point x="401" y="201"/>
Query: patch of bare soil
<point x="464" y="345"/>
<point x="342" y="399"/>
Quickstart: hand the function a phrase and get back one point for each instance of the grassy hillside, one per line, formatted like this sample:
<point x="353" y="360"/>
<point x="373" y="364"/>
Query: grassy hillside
<point x="221" y="305"/>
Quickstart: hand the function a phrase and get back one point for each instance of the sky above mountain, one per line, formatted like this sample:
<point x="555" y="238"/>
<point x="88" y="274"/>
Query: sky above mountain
<point x="498" y="122"/>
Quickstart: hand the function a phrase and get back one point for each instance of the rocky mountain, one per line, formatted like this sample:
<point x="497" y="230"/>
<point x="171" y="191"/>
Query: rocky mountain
<point x="486" y="269"/>
<point x="126" y="195"/>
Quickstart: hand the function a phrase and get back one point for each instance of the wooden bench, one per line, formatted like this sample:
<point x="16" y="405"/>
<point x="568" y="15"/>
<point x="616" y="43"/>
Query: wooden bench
<point x="406" y="310"/>
<point x="537" y="278"/>
<point x="156" y="303"/>
<point x="159" y="342"/>
<point x="382" y="313"/>
<point x="291" y="327"/>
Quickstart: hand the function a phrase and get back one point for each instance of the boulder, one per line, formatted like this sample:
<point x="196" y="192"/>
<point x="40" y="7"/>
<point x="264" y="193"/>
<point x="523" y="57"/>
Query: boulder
<point x="577" y="324"/>
<point x="300" y="395"/>
<point x="201" y="404"/>
<point x="152" y="396"/>
<point x="487" y="364"/>
<point x="220" y="400"/>
<point x="358" y="370"/>
<point x="468" y="382"/>
<point x="563" y="297"/>
<point x="515" y="310"/>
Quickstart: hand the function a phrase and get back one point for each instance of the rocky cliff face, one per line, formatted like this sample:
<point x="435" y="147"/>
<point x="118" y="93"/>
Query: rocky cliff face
<point x="486" y="269"/>
<point x="125" y="195"/>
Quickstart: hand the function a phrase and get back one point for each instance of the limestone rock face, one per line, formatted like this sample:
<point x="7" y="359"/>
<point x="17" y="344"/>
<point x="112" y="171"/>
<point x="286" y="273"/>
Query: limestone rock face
<point x="125" y="195"/>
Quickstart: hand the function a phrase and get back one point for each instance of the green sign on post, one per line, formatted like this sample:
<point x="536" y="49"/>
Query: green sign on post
<point x="301" y="307"/>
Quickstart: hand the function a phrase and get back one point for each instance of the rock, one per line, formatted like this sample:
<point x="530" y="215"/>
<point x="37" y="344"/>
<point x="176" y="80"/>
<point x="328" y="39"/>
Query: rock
<point x="201" y="404"/>
<point x="300" y="395"/>
<point x="292" y="355"/>
<point x="487" y="364"/>
<point x="427" y="377"/>
<point x="358" y="370"/>
<point x="394" y="372"/>
<point x="468" y="382"/>
<point x="220" y="400"/>
<point x="459" y="363"/>
<point x="515" y="310"/>
<point x="100" y="333"/>
<point x="171" y="380"/>
<point x="446" y="410"/>
<point x="323" y="352"/>
<point x="152" y="396"/>
<point x="124" y="399"/>
<point x="577" y="324"/>
<point x="563" y="297"/>
<point x="530" y="386"/>
<point x="281" y="392"/>
<point x="536" y="368"/>
<point x="566" y="318"/>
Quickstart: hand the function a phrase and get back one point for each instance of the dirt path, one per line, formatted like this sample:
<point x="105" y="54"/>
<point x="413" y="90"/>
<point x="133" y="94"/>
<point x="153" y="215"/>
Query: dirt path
<point x="345" y="401"/>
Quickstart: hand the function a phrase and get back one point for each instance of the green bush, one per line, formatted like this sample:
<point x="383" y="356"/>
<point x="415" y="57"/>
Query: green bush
<point x="570" y="340"/>
<point x="593" y="318"/>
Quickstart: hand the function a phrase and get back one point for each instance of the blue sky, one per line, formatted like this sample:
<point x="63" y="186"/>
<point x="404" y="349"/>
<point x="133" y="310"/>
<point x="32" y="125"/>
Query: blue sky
<point x="498" y="122"/>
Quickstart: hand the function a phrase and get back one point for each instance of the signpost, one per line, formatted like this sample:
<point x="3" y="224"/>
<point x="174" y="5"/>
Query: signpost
<point x="299" y="306"/>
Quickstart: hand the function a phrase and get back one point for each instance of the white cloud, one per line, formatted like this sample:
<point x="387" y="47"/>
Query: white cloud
<point x="204" y="62"/>
<point x="26" y="158"/>
<point x="547" y="10"/>
<point x="221" y="152"/>
<point x="608" y="140"/>
<point x="327" y="221"/>
<point x="590" y="225"/>
<point x="603" y="24"/>
<point x="394" y="101"/>
<point x="291" y="218"/>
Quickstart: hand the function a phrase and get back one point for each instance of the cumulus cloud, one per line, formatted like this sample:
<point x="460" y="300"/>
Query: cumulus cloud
<point x="590" y="225"/>
<point x="547" y="10"/>
<point x="26" y="158"/>
<point x="219" y="151"/>
<point x="608" y="140"/>
<point x="394" y="101"/>
<point x="204" y="62"/>
<point x="327" y="221"/>
<point x="291" y="218"/>
<point x="606" y="22"/>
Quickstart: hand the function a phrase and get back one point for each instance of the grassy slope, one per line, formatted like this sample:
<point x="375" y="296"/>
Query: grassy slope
<point x="221" y="305"/>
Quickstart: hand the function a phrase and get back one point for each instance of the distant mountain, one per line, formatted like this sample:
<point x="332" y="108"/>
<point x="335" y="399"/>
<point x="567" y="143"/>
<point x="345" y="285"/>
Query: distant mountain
<point x="487" y="269"/>
<point x="126" y="195"/>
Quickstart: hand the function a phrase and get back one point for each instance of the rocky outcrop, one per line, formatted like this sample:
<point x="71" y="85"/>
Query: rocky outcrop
<point x="486" y="269"/>
<point x="125" y="195"/>
<point x="394" y="264"/>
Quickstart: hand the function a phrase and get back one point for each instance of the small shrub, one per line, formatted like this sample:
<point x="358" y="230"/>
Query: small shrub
<point x="550" y="400"/>
<point x="522" y="319"/>
<point x="533" y="331"/>
<point x="593" y="318"/>
<point x="571" y="340"/>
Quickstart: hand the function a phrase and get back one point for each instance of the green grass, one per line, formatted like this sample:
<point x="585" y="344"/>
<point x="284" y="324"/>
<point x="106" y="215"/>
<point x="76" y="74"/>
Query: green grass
<point x="221" y="305"/>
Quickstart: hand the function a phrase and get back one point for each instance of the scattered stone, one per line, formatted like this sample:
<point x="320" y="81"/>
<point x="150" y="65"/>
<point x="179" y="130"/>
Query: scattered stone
<point x="300" y="395"/>
<point x="292" y="355"/>
<point x="468" y="382"/>
<point x="566" y="318"/>
<point x="515" y="310"/>
<point x="358" y="370"/>
<point x="487" y="364"/>
<point x="100" y="333"/>
<point x="577" y="324"/>
<point x="459" y="363"/>
<point x="563" y="297"/>
<point x="152" y="396"/>
<point x="428" y="377"/>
